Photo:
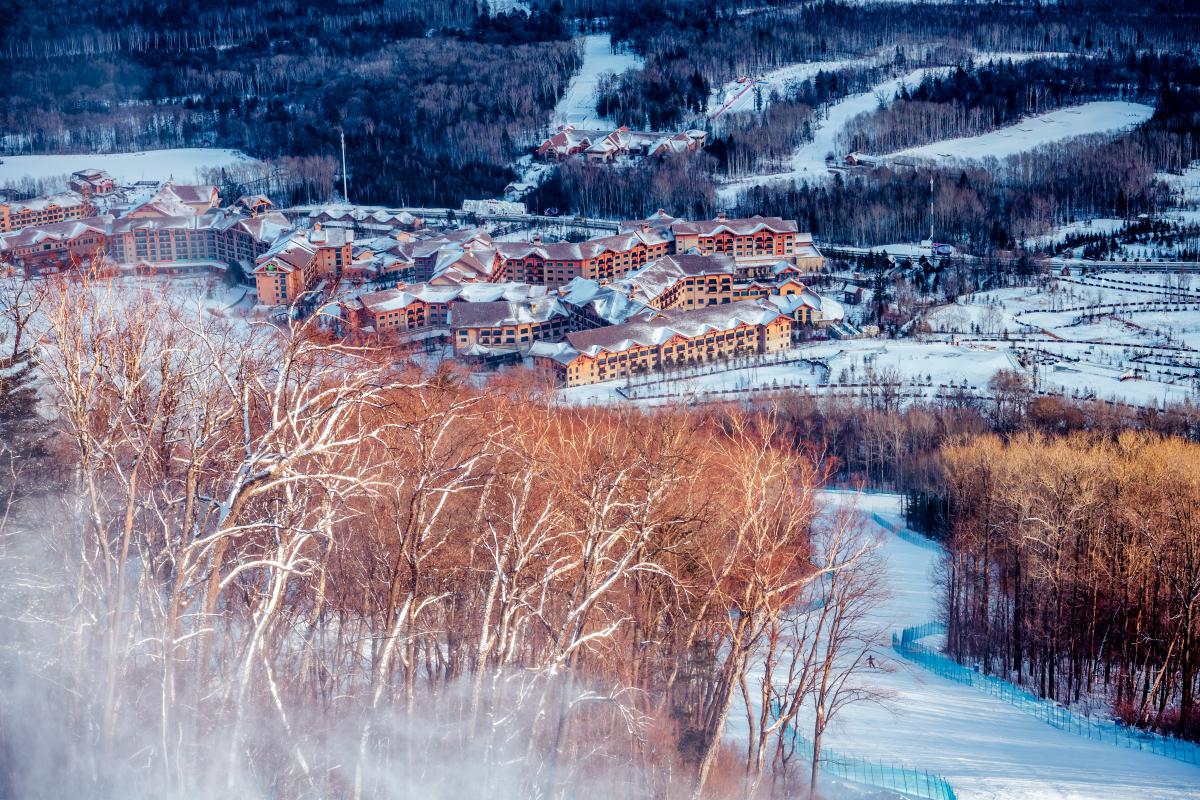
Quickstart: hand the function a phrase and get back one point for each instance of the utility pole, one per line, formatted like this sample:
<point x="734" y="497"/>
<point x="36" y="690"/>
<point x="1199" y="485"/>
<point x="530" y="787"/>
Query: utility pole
<point x="346" y="192"/>
<point x="931" y="210"/>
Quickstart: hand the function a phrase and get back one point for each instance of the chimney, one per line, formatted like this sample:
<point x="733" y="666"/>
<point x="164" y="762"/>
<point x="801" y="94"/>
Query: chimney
<point x="645" y="227"/>
<point x="721" y="216"/>
<point x="537" y="239"/>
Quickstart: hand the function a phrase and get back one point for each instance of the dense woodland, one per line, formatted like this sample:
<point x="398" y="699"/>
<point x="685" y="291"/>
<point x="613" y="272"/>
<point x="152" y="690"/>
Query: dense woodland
<point x="1075" y="569"/>
<point x="688" y="42"/>
<point x="437" y="99"/>
<point x="435" y="102"/>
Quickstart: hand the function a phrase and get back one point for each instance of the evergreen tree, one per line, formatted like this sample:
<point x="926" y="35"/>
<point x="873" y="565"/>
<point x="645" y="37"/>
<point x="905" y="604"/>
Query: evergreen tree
<point x="23" y="432"/>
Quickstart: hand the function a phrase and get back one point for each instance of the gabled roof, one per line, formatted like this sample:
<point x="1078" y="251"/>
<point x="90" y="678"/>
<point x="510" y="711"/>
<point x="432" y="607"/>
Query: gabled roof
<point x="578" y="251"/>
<point x="505" y="312"/>
<point x="738" y="227"/>
<point x="54" y="231"/>
<point x="561" y="352"/>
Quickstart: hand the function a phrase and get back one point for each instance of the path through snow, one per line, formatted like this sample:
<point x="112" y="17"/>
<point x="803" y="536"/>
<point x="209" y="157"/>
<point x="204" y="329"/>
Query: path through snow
<point x="578" y="104"/>
<point x="1031" y="132"/>
<point x="983" y="746"/>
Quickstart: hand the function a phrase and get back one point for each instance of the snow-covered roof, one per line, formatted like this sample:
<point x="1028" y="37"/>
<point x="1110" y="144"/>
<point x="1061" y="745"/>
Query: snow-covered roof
<point x="561" y="352"/>
<point x="60" y="200"/>
<point x="462" y="294"/>
<point x="505" y="312"/>
<point x="54" y="231"/>
<point x="605" y="302"/>
<point x="826" y="308"/>
<point x="738" y="227"/>
<point x="351" y="213"/>
<point x="572" y="251"/>
<point x="650" y="281"/>
<point x="650" y="330"/>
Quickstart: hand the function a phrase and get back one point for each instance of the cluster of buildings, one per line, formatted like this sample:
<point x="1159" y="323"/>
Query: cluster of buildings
<point x="146" y="226"/>
<point x="607" y="146"/>
<point x="659" y="293"/>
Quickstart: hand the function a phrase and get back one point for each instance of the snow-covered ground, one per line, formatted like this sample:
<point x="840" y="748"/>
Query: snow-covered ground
<point x="1097" y="226"/>
<point x="1032" y="132"/>
<point x="1186" y="186"/>
<point x="506" y="6"/>
<point x="578" y="104"/>
<point x="1094" y="355"/>
<point x="182" y="164"/>
<point x="920" y="367"/>
<point x="987" y="749"/>
<point x="1127" y="350"/>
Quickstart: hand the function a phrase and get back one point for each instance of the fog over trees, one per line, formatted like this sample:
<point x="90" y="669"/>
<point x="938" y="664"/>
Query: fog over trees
<point x="268" y="564"/>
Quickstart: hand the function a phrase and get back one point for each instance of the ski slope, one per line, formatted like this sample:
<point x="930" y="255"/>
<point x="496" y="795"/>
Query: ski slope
<point x="182" y="164"/>
<point x="1032" y="132"/>
<point x="808" y="161"/>
<point x="987" y="749"/>
<point x="739" y="95"/>
<point x="577" y="106"/>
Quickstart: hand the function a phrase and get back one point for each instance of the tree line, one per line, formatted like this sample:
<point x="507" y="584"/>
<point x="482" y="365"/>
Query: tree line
<point x="1074" y="568"/>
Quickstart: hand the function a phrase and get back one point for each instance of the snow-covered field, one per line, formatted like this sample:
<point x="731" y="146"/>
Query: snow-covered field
<point x="578" y="104"/>
<point x="182" y="164"/>
<point x="1032" y="132"/>
<point x="1126" y="350"/>
<point x="987" y="749"/>
<point x="1094" y="354"/>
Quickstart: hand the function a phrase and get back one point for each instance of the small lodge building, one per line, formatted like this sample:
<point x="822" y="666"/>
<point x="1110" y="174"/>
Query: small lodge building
<point x="298" y="263"/>
<point x="91" y="181"/>
<point x="606" y="146"/>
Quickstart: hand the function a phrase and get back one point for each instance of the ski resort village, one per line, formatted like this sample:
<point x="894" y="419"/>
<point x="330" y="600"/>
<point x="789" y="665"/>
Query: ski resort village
<point x="654" y="296"/>
<point x="644" y="310"/>
<point x="572" y="399"/>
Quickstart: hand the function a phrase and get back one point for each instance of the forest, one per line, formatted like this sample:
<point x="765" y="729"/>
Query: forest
<point x="435" y="102"/>
<point x="1075" y="569"/>
<point x="690" y="43"/>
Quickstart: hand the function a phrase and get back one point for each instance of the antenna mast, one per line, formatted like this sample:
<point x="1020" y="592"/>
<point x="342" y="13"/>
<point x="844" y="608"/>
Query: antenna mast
<point x="346" y="192"/>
